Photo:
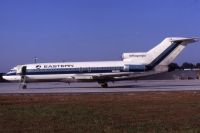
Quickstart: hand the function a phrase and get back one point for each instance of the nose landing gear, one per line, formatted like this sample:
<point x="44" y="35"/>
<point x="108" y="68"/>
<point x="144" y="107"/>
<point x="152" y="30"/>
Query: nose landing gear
<point x="23" y="82"/>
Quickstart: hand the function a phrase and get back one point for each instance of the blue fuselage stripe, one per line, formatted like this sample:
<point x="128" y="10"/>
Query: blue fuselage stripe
<point x="76" y="71"/>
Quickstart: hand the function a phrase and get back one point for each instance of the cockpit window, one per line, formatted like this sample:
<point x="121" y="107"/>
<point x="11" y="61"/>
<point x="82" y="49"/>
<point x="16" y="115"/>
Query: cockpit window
<point x="12" y="71"/>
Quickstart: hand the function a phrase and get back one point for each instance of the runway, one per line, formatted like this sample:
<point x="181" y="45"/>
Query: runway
<point x="128" y="86"/>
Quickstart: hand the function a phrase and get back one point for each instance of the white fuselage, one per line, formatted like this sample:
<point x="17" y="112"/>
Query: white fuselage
<point x="72" y="71"/>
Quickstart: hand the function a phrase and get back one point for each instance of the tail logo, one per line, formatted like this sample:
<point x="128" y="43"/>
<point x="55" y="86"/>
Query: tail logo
<point x="38" y="66"/>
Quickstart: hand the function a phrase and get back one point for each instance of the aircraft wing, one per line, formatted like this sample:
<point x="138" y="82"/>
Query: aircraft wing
<point x="114" y="76"/>
<point x="97" y="77"/>
<point x="107" y="77"/>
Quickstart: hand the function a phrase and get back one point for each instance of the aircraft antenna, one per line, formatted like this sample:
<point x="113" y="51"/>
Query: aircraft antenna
<point x="35" y="60"/>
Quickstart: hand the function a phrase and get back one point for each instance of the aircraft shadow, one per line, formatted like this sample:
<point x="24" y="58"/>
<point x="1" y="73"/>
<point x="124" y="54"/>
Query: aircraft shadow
<point x="146" y="86"/>
<point x="119" y="86"/>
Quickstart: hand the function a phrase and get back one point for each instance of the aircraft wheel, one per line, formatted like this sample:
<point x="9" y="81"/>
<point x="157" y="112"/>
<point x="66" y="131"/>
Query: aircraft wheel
<point x="24" y="86"/>
<point x="104" y="85"/>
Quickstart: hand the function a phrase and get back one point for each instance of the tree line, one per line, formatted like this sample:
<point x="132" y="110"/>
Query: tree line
<point x="1" y="79"/>
<point x="185" y="65"/>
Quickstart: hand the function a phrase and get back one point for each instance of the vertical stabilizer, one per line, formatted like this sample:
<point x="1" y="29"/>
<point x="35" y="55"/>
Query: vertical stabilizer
<point x="165" y="52"/>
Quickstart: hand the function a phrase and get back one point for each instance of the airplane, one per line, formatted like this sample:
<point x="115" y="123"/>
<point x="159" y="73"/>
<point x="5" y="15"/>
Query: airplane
<point x="132" y="66"/>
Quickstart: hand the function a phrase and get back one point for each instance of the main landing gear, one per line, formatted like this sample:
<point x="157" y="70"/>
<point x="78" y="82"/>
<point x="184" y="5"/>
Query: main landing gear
<point x="104" y="85"/>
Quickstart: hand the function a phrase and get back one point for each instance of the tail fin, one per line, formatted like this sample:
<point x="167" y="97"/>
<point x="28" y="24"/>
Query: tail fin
<point x="165" y="52"/>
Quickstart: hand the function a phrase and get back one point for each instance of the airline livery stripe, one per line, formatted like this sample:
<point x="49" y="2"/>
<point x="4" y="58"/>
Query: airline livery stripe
<point x="77" y="71"/>
<point x="163" y="55"/>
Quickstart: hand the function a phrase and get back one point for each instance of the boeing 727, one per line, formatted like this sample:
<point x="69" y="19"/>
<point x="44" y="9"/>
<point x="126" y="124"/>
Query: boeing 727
<point x="132" y="65"/>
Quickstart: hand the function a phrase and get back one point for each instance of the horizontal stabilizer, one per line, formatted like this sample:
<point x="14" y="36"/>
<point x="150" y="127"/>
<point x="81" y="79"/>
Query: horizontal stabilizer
<point x="188" y="40"/>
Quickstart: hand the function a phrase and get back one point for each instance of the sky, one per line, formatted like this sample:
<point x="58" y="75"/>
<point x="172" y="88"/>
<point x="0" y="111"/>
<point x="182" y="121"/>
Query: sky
<point x="92" y="30"/>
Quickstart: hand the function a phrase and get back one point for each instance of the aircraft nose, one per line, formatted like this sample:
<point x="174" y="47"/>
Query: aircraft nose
<point x="5" y="77"/>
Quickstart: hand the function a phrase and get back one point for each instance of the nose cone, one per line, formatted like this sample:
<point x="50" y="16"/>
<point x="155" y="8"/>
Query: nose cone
<point x="5" y="77"/>
<point x="12" y="78"/>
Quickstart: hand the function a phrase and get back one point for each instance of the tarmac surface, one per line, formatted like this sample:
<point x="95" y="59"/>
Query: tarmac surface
<point x="125" y="86"/>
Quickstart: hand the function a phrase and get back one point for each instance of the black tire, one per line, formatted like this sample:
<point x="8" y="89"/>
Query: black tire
<point x="104" y="85"/>
<point x="24" y="87"/>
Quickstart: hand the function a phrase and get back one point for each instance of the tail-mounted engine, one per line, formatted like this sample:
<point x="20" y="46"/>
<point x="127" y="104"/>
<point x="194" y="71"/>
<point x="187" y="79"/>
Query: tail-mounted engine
<point x="134" y="68"/>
